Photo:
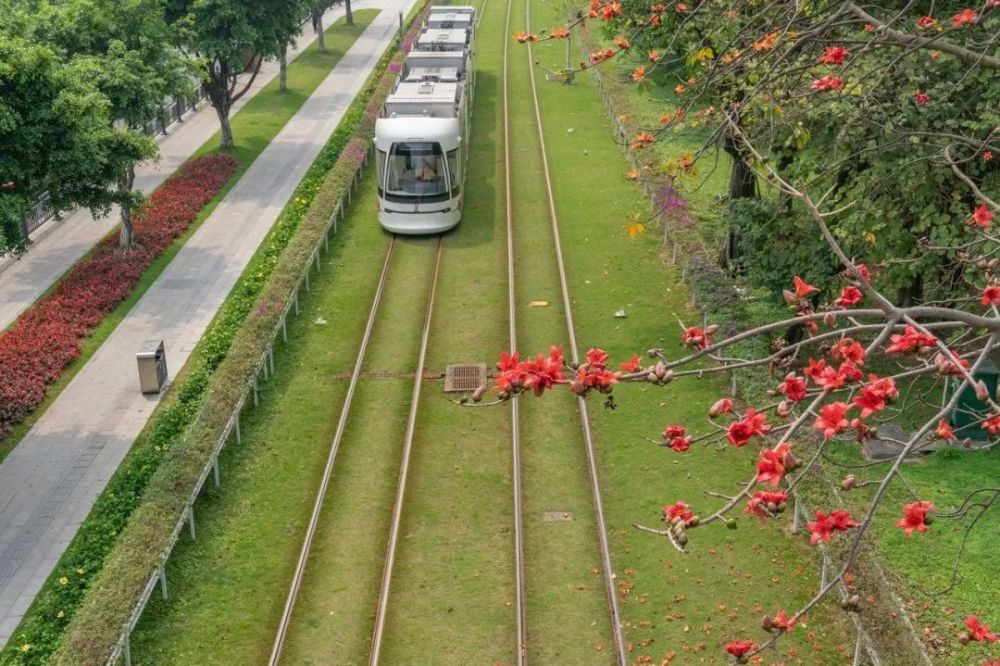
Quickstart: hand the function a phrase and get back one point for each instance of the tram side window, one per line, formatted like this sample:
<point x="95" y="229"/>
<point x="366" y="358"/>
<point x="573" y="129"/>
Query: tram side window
<point x="456" y="175"/>
<point x="416" y="172"/>
<point x="380" y="158"/>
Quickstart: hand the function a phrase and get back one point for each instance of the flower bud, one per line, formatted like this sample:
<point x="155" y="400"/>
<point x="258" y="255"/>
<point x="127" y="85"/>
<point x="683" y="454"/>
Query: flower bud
<point x="783" y="410"/>
<point x="659" y="369"/>
<point x="982" y="393"/>
<point x="682" y="539"/>
<point x="711" y="329"/>
<point x="848" y="483"/>
<point x="789" y="461"/>
<point x="765" y="623"/>
<point x="578" y="387"/>
<point x="964" y="638"/>
<point x="652" y="353"/>
<point x="830" y="319"/>
<point x="719" y="407"/>
<point x="478" y="394"/>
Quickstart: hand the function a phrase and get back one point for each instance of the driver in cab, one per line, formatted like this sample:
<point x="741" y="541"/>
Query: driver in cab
<point x="425" y="172"/>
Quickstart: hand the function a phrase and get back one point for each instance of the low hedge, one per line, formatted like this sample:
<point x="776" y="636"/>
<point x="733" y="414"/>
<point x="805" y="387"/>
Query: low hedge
<point x="233" y="346"/>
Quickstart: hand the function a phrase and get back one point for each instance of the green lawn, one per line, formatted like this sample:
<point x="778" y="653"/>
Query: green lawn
<point x="254" y="126"/>
<point x="923" y="562"/>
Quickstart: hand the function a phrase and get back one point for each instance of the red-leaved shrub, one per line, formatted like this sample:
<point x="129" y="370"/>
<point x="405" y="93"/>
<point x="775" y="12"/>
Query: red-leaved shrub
<point x="47" y="337"/>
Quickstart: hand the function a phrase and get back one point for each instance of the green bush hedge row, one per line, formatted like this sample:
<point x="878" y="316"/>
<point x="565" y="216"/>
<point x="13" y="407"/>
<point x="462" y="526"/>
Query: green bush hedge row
<point x="228" y="355"/>
<point x="85" y="560"/>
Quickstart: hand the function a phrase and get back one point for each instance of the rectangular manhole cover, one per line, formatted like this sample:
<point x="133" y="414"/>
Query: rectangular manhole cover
<point x="557" y="516"/>
<point x="464" y="377"/>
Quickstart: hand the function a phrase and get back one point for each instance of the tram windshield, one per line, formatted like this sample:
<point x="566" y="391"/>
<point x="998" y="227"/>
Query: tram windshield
<point x="416" y="172"/>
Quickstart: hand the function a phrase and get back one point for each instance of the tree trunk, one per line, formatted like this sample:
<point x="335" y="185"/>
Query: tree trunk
<point x="217" y="85"/>
<point x="126" y="237"/>
<point x="318" y="27"/>
<point x="742" y="185"/>
<point x="911" y="295"/>
<point x="349" y="19"/>
<point x="283" y="68"/>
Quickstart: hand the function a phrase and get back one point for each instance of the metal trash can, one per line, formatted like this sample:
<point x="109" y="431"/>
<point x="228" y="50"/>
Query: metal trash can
<point x="152" y="362"/>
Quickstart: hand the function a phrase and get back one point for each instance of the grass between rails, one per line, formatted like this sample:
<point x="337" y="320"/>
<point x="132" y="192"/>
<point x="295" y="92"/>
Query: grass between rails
<point x="56" y="604"/>
<point x="453" y="587"/>
<point x="568" y="618"/>
<point x="254" y="126"/>
<point x="671" y="602"/>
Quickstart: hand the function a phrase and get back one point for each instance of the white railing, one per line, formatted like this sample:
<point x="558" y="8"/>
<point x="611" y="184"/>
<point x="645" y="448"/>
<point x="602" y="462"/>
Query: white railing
<point x="263" y="370"/>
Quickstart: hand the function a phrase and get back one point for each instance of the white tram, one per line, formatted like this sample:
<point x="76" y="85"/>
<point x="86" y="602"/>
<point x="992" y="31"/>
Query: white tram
<point x="421" y="137"/>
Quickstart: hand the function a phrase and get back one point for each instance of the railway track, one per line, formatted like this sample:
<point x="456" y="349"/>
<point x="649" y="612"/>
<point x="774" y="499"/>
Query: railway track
<point x="382" y="605"/>
<point x="515" y="413"/>
<point x="602" y="532"/>
<point x="345" y="410"/>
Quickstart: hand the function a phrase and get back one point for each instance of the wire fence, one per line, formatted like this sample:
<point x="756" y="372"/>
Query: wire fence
<point x="263" y="370"/>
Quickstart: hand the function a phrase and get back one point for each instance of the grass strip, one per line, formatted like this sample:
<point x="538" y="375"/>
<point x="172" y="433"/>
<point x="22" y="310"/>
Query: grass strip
<point x="95" y="628"/>
<point x="43" y="626"/>
<point x="945" y="477"/>
<point x="254" y="126"/>
<point x="674" y="606"/>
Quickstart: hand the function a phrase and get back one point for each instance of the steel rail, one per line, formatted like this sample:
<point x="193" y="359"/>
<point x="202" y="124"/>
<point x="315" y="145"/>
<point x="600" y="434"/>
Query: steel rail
<point x="515" y="414"/>
<point x="404" y="468"/>
<point x="602" y="533"/>
<point x="300" y="567"/>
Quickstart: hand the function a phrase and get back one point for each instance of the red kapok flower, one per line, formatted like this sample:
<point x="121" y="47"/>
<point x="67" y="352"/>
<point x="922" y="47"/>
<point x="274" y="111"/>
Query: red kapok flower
<point x="803" y="288"/>
<point x="764" y="503"/>
<point x="914" y="517"/>
<point x="653" y="56"/>
<point x="543" y="372"/>
<point x="752" y="424"/>
<point x="632" y="365"/>
<point x="979" y="631"/>
<point x="639" y="74"/>
<point x="925" y="22"/>
<point x="672" y="431"/>
<point x="982" y="216"/>
<point x="944" y="431"/>
<point x="739" y="648"/>
<point x="824" y="526"/>
<point x="849" y="297"/>
<point x="921" y="98"/>
<point x="964" y="18"/>
<point x="831" y="419"/>
<point x="834" y="55"/>
<point x="559" y="33"/>
<point x="992" y="424"/>
<point x="991" y="295"/>
<point x="719" y="407"/>
<point x="642" y="140"/>
<point x="681" y="444"/>
<point x="910" y="340"/>
<point x="782" y="622"/>
<point x="771" y="466"/>
<point x="695" y="336"/>
<point x="848" y="349"/>
<point x="863" y="272"/>
<point x="678" y="510"/>
<point x="597" y="358"/>
<point x="794" y="387"/>
<point x="828" y="82"/>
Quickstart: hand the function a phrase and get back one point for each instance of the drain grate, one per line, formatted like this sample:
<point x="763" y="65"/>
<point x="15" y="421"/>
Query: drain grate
<point x="464" y="377"/>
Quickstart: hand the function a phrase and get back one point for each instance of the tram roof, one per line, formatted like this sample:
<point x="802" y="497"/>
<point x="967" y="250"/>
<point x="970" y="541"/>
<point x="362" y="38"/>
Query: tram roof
<point x="444" y="131"/>
<point x="432" y="37"/>
<point x="453" y="9"/>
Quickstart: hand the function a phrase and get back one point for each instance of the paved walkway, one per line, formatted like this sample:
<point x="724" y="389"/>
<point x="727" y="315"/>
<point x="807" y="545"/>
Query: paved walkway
<point x="58" y="244"/>
<point x="50" y="481"/>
